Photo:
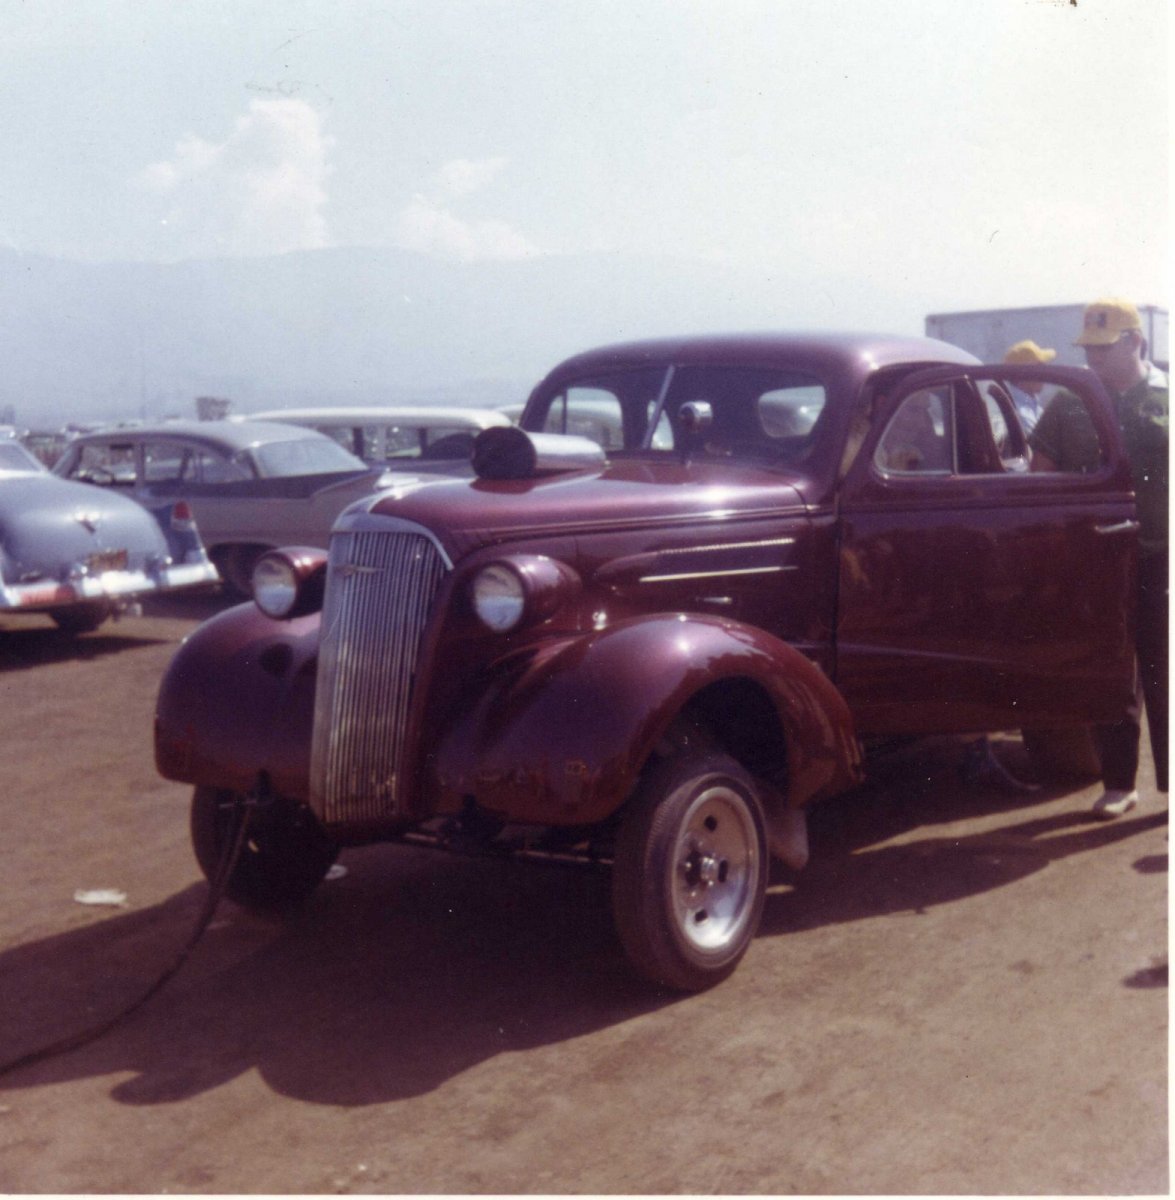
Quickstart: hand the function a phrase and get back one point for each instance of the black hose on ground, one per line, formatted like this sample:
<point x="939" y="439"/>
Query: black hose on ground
<point x="216" y="889"/>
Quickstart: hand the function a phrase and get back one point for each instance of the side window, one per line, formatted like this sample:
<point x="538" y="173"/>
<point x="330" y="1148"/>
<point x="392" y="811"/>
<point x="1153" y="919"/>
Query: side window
<point x="790" y="412"/>
<point x="919" y="436"/>
<point x="983" y="423"/>
<point x="347" y="436"/>
<point x="402" y="441"/>
<point x="162" y="462"/>
<point x="203" y="466"/>
<point x="105" y="464"/>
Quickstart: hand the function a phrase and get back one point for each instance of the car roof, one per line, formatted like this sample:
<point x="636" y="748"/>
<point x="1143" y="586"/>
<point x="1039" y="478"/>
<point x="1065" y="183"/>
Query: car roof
<point x="231" y="436"/>
<point x="403" y="414"/>
<point x="858" y="354"/>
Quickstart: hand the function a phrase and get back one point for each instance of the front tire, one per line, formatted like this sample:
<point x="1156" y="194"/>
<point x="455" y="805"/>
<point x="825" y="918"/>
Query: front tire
<point x="689" y="876"/>
<point x="284" y="858"/>
<point x="235" y="565"/>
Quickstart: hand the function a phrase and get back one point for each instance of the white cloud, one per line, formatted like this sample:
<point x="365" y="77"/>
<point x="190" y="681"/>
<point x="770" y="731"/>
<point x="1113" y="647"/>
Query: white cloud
<point x="464" y="175"/>
<point x="430" y="229"/>
<point x="429" y="225"/>
<point x="260" y="191"/>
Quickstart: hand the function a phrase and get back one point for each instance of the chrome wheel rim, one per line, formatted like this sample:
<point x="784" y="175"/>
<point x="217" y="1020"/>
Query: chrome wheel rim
<point x="715" y="870"/>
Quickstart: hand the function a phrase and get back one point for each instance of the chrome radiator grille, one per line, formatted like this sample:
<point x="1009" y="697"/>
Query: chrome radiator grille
<point x="380" y="590"/>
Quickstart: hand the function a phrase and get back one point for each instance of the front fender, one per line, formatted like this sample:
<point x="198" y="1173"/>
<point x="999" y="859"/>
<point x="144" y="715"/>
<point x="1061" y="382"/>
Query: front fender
<point x="562" y="738"/>
<point x="238" y="699"/>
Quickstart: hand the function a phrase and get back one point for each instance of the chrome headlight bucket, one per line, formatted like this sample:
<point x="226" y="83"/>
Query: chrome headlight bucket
<point x="520" y="589"/>
<point x="289" y="582"/>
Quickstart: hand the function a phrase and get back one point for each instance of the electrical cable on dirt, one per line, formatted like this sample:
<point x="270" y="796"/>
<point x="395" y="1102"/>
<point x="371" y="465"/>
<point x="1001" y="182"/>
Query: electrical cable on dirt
<point x="234" y="844"/>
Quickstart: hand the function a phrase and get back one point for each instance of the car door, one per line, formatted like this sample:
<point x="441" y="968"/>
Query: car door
<point x="168" y="470"/>
<point x="975" y="593"/>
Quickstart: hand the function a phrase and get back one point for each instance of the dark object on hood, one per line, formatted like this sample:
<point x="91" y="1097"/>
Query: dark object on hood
<point x="507" y="452"/>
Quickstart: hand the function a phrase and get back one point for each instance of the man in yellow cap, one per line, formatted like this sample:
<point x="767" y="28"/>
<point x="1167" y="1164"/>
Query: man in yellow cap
<point x="1115" y="350"/>
<point x="1027" y="395"/>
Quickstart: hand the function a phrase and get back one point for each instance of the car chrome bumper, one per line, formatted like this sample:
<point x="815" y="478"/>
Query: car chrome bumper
<point x="105" y="585"/>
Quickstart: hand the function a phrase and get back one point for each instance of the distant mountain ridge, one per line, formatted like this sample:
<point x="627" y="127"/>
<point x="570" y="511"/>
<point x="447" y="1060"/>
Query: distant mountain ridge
<point x="351" y="325"/>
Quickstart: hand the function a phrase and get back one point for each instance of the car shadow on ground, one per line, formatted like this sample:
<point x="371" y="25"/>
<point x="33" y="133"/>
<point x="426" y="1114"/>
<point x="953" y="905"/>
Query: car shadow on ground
<point x="408" y="971"/>
<point x="25" y="646"/>
<point x="916" y="876"/>
<point x="33" y="640"/>
<point x="416" y="966"/>
<point x="196" y="605"/>
<point x="857" y="869"/>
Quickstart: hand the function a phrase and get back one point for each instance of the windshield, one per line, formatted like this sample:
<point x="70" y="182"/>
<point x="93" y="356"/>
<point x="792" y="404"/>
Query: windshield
<point x="305" y="456"/>
<point x="14" y="457"/>
<point x="769" y="414"/>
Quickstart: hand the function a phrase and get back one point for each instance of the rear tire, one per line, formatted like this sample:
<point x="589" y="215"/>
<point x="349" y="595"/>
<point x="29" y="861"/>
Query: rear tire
<point x="284" y="858"/>
<point x="690" y="872"/>
<point x="80" y="618"/>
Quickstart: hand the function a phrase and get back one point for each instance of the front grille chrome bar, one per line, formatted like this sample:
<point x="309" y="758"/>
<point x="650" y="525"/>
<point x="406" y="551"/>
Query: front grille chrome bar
<point x="383" y="576"/>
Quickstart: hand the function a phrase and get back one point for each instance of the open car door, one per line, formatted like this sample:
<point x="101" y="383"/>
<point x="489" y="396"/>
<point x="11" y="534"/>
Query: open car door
<point x="975" y="592"/>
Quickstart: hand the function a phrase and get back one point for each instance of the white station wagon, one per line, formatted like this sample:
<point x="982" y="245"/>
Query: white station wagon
<point x="423" y="438"/>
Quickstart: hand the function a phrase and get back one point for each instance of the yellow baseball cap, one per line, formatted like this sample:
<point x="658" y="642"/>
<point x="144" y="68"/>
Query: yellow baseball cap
<point x="1028" y="353"/>
<point x="1106" y="321"/>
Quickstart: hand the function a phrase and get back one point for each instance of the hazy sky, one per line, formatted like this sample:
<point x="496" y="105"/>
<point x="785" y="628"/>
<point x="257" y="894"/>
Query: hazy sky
<point x="976" y="153"/>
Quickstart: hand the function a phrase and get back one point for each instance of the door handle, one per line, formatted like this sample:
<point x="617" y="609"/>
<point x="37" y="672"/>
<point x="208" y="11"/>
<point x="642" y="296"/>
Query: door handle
<point x="1120" y="527"/>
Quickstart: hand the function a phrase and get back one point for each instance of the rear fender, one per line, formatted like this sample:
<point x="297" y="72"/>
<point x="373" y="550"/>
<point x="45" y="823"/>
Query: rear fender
<point x="189" y="562"/>
<point x="562" y="736"/>
<point x="238" y="700"/>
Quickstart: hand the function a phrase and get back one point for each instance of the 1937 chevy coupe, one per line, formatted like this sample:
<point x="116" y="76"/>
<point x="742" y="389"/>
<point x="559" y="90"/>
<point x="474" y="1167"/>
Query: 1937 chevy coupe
<point x="657" y="658"/>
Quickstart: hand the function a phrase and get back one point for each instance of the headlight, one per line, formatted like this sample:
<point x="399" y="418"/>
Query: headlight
<point x="499" y="597"/>
<point x="275" y="587"/>
<point x="523" y="587"/>
<point x="289" y="583"/>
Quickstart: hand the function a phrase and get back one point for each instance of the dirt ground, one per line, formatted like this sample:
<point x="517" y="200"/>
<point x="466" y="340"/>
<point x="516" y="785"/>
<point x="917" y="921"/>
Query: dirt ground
<point x="965" y="992"/>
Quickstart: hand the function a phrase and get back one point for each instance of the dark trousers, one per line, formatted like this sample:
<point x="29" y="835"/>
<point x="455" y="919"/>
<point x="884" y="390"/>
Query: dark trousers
<point x="1118" y="744"/>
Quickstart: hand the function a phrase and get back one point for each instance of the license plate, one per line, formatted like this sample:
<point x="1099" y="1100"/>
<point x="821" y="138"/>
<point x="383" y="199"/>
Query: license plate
<point x="107" y="560"/>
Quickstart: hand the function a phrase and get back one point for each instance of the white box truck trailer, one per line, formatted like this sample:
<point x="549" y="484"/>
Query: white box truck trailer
<point x="988" y="333"/>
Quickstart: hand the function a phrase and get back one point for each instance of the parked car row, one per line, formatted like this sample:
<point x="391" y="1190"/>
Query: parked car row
<point x="254" y="484"/>
<point x="247" y="485"/>
<point x="671" y="611"/>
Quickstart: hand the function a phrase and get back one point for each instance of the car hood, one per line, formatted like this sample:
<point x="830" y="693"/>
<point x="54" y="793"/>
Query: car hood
<point x="622" y="495"/>
<point x="49" y="524"/>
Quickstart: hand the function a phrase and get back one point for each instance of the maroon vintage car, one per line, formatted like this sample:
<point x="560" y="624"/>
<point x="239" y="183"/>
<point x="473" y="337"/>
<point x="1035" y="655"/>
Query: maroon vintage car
<point x="662" y="621"/>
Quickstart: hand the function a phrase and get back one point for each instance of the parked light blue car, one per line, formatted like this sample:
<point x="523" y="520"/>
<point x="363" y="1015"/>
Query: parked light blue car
<point x="81" y="554"/>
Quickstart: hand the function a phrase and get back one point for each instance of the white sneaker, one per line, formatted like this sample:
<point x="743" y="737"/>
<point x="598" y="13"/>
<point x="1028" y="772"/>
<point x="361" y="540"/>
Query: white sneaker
<point x="1111" y="804"/>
